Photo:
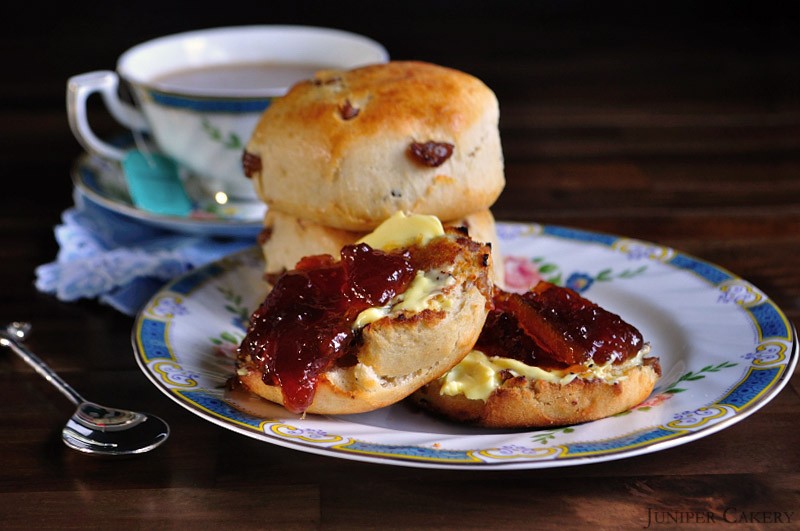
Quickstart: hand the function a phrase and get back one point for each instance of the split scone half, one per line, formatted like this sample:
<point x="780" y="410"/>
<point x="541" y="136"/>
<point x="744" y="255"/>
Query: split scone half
<point x="397" y="310"/>
<point x="548" y="357"/>
<point x="286" y="239"/>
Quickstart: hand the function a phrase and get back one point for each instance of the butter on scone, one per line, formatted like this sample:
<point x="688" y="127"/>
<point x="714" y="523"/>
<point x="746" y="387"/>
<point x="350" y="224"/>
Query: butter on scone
<point x="399" y="308"/>
<point x="347" y="149"/>
<point x="548" y="357"/>
<point x="286" y="239"/>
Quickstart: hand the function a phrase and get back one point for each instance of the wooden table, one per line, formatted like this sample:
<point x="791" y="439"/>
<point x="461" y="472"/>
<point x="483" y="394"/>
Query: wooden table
<point x="681" y="128"/>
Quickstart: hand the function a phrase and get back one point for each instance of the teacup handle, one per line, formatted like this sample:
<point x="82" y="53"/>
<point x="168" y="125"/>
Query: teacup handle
<point x="106" y="82"/>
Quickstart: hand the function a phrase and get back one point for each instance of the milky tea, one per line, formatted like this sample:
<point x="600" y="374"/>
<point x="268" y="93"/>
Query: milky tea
<point x="238" y="76"/>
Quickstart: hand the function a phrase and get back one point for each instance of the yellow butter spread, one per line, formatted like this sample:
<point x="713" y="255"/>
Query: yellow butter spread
<point x="478" y="375"/>
<point x="402" y="230"/>
<point x="420" y="295"/>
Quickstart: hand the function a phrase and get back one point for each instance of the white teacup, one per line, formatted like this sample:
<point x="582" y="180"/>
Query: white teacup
<point x="200" y="94"/>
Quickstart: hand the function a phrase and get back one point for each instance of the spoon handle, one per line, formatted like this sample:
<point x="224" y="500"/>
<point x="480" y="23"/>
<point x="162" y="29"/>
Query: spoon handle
<point x="8" y="340"/>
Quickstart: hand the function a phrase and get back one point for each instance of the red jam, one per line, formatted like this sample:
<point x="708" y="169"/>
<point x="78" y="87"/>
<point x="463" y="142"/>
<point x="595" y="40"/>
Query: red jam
<point x="304" y="325"/>
<point x="555" y="328"/>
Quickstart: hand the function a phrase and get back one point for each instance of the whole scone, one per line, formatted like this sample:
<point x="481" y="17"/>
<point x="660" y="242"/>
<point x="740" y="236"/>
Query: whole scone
<point x="286" y="239"/>
<point x="349" y="148"/>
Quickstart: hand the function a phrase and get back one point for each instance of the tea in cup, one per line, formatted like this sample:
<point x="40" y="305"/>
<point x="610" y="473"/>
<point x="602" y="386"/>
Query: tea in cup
<point x="200" y="94"/>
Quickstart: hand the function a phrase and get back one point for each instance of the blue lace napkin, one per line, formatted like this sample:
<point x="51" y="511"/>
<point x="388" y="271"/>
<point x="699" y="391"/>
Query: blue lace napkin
<point x="120" y="261"/>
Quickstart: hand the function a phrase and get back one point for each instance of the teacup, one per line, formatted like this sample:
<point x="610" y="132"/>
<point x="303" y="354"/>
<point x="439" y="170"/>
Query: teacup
<point x="200" y="94"/>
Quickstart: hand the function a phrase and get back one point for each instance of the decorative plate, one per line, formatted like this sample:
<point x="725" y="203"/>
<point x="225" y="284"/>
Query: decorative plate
<point x="725" y="348"/>
<point x="103" y="182"/>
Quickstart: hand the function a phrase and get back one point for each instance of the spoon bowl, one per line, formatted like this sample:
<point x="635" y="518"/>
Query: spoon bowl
<point x="92" y="429"/>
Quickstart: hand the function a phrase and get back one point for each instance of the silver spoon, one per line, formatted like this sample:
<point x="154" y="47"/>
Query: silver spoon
<point x="93" y="429"/>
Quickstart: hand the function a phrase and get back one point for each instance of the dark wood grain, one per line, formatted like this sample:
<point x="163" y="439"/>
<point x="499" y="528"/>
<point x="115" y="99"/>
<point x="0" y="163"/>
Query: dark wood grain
<point x="679" y="126"/>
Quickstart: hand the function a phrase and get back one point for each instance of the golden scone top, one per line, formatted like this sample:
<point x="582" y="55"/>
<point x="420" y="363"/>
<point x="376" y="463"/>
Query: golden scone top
<point x="349" y="148"/>
<point x="424" y="101"/>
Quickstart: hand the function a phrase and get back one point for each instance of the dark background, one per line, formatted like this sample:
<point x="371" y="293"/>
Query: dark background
<point x="627" y="52"/>
<point x="674" y="122"/>
<point x="634" y="86"/>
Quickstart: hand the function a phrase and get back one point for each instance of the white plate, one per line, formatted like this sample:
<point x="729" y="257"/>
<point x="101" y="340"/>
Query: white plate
<point x="726" y="349"/>
<point x="103" y="182"/>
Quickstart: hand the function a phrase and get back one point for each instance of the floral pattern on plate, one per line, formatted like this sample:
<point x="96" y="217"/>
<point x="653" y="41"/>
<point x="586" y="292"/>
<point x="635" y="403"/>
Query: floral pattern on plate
<point x="725" y="348"/>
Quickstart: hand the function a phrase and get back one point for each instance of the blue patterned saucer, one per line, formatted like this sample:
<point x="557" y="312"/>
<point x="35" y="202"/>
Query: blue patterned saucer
<point x="103" y="182"/>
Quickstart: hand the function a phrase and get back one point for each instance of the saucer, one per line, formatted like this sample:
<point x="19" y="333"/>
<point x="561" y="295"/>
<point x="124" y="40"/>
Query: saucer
<point x="103" y="182"/>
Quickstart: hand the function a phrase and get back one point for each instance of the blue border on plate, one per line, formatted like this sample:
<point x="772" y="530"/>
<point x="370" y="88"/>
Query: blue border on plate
<point x="769" y="320"/>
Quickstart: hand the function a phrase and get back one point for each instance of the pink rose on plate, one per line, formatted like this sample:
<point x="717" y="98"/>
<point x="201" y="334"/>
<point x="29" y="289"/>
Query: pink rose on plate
<point x="654" y="401"/>
<point x="520" y="273"/>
